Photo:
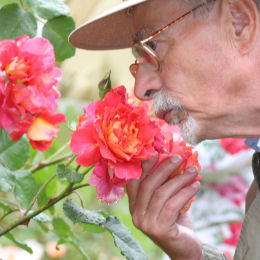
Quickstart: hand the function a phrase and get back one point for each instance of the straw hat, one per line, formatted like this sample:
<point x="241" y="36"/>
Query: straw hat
<point x="111" y="30"/>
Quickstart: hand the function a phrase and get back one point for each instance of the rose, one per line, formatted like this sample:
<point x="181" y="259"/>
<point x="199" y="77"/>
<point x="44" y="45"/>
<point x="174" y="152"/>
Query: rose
<point x="233" y="145"/>
<point x="41" y="130"/>
<point x="118" y="136"/>
<point x="175" y="145"/>
<point x="120" y="133"/>
<point x="28" y="90"/>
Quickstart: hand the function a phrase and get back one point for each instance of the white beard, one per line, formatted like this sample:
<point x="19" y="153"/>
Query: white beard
<point x="189" y="128"/>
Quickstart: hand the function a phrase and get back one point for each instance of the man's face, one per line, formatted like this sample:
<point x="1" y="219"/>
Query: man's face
<point x="192" y="86"/>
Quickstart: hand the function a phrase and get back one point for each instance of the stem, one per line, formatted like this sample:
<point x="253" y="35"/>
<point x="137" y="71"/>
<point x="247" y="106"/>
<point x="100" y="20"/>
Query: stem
<point x="8" y="202"/>
<point x="21" y="2"/>
<point x="80" y="186"/>
<point x="71" y="160"/>
<point x="77" y="169"/>
<point x="62" y="149"/>
<point x="39" y="192"/>
<point x="80" y="198"/>
<point x="64" y="194"/>
<point x="89" y="169"/>
<point x="8" y="213"/>
<point x="46" y="163"/>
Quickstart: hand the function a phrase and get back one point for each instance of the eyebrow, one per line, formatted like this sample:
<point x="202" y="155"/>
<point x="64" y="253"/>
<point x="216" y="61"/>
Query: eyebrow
<point x="140" y="35"/>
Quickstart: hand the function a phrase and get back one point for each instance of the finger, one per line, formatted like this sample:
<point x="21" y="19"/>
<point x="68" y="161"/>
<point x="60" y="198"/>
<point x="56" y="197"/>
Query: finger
<point x="169" y="189"/>
<point x="133" y="186"/>
<point x="172" y="207"/>
<point x="149" y="164"/>
<point x="154" y="180"/>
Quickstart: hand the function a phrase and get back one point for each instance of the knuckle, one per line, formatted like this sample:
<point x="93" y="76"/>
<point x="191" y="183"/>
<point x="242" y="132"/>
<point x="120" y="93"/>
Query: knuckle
<point x="170" y="206"/>
<point x="159" y="194"/>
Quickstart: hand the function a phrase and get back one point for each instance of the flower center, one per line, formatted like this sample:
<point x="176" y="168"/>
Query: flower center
<point x="17" y="70"/>
<point x="123" y="138"/>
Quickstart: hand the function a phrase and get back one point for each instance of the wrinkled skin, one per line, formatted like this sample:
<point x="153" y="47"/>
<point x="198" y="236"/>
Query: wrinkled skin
<point x="155" y="204"/>
<point x="210" y="65"/>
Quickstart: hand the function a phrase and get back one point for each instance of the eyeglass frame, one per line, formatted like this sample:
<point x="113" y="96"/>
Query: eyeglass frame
<point x="146" y="47"/>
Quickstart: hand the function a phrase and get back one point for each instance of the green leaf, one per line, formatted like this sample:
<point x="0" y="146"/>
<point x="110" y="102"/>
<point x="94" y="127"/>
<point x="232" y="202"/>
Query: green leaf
<point x="129" y="247"/>
<point x="92" y="228"/>
<point x="124" y="239"/>
<point x="7" y="179"/>
<point x="51" y="189"/>
<point x="13" y="154"/>
<point x="62" y="229"/>
<point x="48" y="9"/>
<point x="66" y="174"/>
<point x="104" y="85"/>
<point x="25" y="187"/>
<point x="19" y="243"/>
<point x="57" y="31"/>
<point x="77" y="245"/>
<point x="42" y="217"/>
<point x="43" y="227"/>
<point x="77" y="214"/>
<point x="15" y="21"/>
<point x="5" y="2"/>
<point x="5" y="206"/>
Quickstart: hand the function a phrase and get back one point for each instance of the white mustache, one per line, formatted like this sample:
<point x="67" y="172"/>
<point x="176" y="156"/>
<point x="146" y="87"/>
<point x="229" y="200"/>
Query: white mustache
<point x="162" y="101"/>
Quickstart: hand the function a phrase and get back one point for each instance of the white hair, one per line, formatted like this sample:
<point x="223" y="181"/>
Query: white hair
<point x="162" y="101"/>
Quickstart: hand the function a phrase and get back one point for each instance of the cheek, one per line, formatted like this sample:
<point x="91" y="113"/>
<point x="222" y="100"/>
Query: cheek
<point x="194" y="77"/>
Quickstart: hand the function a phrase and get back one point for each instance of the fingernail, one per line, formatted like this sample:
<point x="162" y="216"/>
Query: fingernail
<point x="192" y="169"/>
<point x="176" y="159"/>
<point x="195" y="185"/>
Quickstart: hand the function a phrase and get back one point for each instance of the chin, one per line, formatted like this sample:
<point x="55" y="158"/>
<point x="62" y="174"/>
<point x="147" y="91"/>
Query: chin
<point x="190" y="131"/>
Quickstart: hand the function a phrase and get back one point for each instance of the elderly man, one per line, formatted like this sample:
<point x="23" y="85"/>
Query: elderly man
<point x="200" y="63"/>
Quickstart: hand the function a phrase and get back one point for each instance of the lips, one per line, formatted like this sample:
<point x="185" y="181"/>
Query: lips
<point x="171" y="116"/>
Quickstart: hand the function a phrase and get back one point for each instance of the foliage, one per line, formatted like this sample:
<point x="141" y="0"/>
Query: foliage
<point x="32" y="182"/>
<point x="28" y="16"/>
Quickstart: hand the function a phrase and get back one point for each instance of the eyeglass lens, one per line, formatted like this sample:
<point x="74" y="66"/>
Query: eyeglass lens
<point x="144" y="53"/>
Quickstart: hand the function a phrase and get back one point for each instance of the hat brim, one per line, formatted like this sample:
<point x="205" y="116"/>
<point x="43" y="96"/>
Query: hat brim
<point x="111" y="30"/>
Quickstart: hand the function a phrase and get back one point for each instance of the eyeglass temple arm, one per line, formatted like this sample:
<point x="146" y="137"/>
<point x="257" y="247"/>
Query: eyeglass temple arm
<point x="171" y="23"/>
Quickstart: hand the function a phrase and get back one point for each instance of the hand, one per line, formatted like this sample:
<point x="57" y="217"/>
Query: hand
<point x="155" y="202"/>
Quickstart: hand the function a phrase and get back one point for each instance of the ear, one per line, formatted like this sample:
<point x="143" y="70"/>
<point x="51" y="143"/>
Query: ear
<point x="242" y="22"/>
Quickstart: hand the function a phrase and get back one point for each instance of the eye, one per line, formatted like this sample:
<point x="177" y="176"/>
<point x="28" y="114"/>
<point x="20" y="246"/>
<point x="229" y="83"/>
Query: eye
<point x="152" y="44"/>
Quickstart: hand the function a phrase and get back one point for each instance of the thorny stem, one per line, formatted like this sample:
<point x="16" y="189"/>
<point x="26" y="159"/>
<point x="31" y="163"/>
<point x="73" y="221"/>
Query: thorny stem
<point x="46" y="163"/>
<point x="63" y="195"/>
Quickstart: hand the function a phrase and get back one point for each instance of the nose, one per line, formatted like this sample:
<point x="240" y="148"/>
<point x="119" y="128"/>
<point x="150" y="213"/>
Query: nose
<point x="147" y="83"/>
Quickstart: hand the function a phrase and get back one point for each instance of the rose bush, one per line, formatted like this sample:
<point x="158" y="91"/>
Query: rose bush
<point x="113" y="136"/>
<point x="28" y="90"/>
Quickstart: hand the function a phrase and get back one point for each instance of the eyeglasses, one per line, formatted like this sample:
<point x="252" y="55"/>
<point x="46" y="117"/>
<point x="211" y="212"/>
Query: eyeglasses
<point x="144" y="52"/>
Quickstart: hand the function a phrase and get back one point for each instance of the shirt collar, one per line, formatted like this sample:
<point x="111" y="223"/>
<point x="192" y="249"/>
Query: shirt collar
<point x="253" y="143"/>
